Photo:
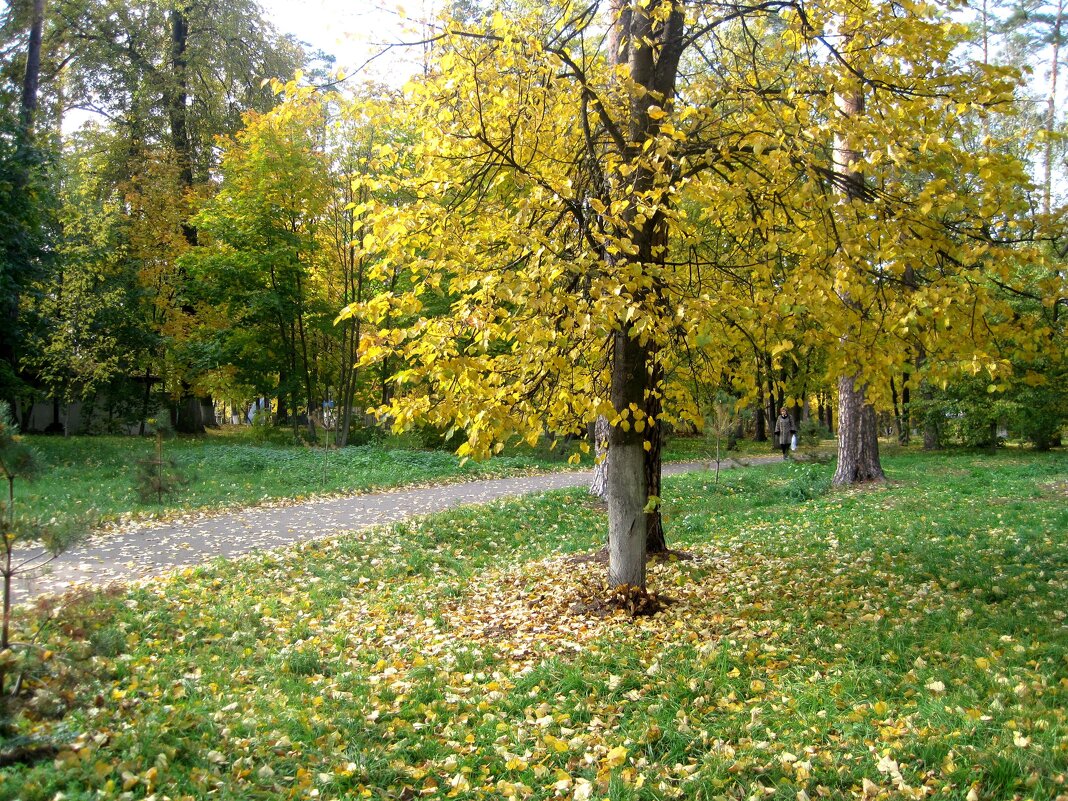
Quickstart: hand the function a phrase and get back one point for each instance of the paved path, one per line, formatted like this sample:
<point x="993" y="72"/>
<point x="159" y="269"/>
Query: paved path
<point x="156" y="549"/>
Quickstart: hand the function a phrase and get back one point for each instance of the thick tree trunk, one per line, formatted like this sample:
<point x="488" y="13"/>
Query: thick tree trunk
<point x="858" y="437"/>
<point x="627" y="488"/>
<point x="651" y="36"/>
<point x="177" y="101"/>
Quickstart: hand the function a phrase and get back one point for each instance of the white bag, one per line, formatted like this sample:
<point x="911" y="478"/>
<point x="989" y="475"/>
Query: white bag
<point x="793" y="442"/>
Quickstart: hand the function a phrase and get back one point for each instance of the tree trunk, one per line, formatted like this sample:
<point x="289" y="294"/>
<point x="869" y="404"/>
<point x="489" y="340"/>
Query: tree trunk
<point x="653" y="43"/>
<point x="932" y="425"/>
<point x="904" y="434"/>
<point x="602" y="433"/>
<point x="761" y="434"/>
<point x="655" y="541"/>
<point x="32" y="77"/>
<point x="177" y="100"/>
<point x="858" y="437"/>
<point x="858" y="432"/>
<point x="627" y="488"/>
<point x="897" y="407"/>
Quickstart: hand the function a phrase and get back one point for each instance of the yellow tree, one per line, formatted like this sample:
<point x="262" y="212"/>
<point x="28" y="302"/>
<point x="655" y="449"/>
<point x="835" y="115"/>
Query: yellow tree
<point x="570" y="163"/>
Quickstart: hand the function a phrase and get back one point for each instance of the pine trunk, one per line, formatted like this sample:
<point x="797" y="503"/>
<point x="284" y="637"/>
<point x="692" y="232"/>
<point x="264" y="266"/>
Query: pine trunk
<point x="858" y="432"/>
<point x="858" y="437"/>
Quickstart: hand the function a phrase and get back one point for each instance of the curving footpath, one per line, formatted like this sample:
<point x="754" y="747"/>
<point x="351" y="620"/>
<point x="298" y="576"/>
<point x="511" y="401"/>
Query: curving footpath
<point x="158" y="548"/>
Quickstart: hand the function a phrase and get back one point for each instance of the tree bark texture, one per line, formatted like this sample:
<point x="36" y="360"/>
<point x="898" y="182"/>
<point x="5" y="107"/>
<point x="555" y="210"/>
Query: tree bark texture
<point x="858" y="460"/>
<point x="627" y="487"/>
<point x="858" y="431"/>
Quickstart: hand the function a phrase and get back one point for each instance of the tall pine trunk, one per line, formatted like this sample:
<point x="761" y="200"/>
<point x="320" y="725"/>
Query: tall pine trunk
<point x="858" y="432"/>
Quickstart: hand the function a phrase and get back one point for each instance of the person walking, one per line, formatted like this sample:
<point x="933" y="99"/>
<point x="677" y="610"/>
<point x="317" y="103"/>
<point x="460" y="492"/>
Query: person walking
<point x="784" y="432"/>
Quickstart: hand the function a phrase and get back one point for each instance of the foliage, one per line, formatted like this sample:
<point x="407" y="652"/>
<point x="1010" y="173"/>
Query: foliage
<point x="811" y="432"/>
<point x="25" y="231"/>
<point x="898" y="642"/>
<point x="87" y="329"/>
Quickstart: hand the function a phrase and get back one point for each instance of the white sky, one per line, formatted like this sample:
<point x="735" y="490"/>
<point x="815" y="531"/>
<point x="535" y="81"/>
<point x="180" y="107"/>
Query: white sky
<point x="355" y="30"/>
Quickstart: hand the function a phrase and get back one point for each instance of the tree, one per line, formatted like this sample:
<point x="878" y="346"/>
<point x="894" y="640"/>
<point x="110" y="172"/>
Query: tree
<point x="264" y="224"/>
<point x="564" y="190"/>
<point x="22" y="190"/>
<point x="1041" y="27"/>
<point x="168" y="78"/>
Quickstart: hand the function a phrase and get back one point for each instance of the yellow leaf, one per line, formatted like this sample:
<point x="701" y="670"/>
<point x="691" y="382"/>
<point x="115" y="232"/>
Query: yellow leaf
<point x="616" y="757"/>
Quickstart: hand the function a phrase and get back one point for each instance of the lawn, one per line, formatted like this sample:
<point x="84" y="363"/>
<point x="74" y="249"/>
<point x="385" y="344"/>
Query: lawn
<point x="904" y="641"/>
<point x="92" y="478"/>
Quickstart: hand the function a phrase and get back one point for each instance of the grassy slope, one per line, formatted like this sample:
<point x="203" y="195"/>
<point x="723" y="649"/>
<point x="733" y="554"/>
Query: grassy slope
<point x="888" y="642"/>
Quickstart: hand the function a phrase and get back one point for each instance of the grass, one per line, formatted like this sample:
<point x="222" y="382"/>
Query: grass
<point x="904" y="641"/>
<point x="93" y="478"/>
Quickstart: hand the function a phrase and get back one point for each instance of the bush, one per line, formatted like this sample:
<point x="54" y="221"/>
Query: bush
<point x="360" y="434"/>
<point x="807" y="481"/>
<point x="265" y="432"/>
<point x="812" y="432"/>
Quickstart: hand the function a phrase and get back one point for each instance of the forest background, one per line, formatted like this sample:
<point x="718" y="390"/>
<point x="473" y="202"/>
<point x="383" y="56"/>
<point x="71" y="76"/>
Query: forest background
<point x="562" y="217"/>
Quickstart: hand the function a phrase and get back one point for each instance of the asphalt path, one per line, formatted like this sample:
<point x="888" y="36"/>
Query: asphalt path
<point x="158" y="548"/>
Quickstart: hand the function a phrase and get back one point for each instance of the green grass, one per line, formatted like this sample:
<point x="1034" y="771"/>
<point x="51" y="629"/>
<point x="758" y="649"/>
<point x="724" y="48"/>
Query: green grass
<point x="93" y="477"/>
<point x="902" y="641"/>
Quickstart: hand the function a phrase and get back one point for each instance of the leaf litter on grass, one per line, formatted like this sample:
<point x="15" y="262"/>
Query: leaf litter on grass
<point x="820" y="653"/>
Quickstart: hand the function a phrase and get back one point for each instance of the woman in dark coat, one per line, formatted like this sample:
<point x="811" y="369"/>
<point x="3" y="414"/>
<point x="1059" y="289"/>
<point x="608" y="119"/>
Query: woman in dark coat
<point x="784" y="431"/>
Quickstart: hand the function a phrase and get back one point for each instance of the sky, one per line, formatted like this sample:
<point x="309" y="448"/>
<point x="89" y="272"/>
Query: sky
<point x="354" y="31"/>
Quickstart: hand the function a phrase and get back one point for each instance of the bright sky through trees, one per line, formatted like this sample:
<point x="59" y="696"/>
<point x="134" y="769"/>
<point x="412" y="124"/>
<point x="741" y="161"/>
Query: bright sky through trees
<point x="355" y="32"/>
